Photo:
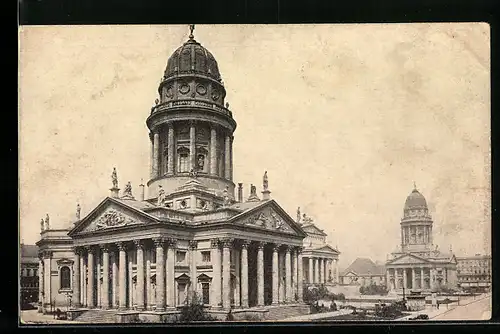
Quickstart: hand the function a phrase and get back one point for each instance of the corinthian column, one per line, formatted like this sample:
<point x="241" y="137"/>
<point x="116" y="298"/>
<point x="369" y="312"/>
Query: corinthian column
<point x="76" y="277"/>
<point x="192" y="145"/>
<point x="227" y="157"/>
<point x="105" y="277"/>
<point x="244" y="273"/>
<point x="422" y="278"/>
<point x="260" y="274"/>
<point x="156" y="154"/>
<point x="140" y="274"/>
<point x="172" y="243"/>
<point x="213" y="151"/>
<point x="122" y="270"/>
<point x="319" y="266"/>
<point x="41" y="276"/>
<point x="215" y="297"/>
<point x="114" y="279"/>
<point x="160" y="275"/>
<point x="300" y="270"/>
<point x="90" y="286"/>
<point x="316" y="270"/>
<point x="275" y="273"/>
<point x="171" y="145"/>
<point x="294" y="274"/>
<point x="226" y="269"/>
<point x="193" y="245"/>
<point x="311" y="272"/>
<point x="288" y="275"/>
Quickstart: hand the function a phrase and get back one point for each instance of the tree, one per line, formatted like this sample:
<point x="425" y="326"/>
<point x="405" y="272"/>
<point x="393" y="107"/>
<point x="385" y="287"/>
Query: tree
<point x="194" y="311"/>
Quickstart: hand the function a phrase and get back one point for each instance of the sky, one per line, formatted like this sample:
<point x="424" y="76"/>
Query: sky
<point x="343" y="117"/>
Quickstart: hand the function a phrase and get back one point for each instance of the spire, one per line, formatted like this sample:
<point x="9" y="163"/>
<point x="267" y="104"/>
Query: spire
<point x="191" y="29"/>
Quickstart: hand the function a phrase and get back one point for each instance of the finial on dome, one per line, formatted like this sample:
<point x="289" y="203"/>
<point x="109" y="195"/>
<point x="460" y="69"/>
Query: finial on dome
<point x="191" y="28"/>
<point x="414" y="185"/>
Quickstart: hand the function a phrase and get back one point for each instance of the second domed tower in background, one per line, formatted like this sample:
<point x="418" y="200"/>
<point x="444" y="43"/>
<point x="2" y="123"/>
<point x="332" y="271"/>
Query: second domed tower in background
<point x="191" y="131"/>
<point x="416" y="224"/>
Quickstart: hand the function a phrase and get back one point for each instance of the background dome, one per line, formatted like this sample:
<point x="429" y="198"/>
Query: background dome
<point x="415" y="200"/>
<point x="191" y="57"/>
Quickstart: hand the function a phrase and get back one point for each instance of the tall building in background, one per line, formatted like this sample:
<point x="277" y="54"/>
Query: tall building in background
<point x="474" y="272"/>
<point x="418" y="264"/>
<point x="29" y="274"/>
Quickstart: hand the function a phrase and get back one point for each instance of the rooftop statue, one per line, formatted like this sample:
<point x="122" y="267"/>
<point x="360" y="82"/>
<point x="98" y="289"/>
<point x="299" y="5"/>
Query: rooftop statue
<point x="265" y="181"/>
<point x="298" y="214"/>
<point x="128" y="189"/>
<point x="114" y="178"/>
<point x="47" y="222"/>
<point x="41" y="225"/>
<point x="161" y="195"/>
<point x="78" y="209"/>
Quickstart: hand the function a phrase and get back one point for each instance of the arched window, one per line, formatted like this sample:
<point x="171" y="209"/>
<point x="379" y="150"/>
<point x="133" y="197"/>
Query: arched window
<point x="65" y="277"/>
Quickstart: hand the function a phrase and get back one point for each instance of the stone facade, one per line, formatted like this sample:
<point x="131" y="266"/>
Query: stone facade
<point x="418" y="264"/>
<point x="474" y="272"/>
<point x="319" y="259"/>
<point x="188" y="234"/>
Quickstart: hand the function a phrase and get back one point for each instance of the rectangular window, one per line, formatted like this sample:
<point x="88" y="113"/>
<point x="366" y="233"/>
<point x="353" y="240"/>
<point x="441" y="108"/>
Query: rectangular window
<point x="181" y="257"/>
<point x="205" y="256"/>
<point x="183" y="162"/>
<point x="206" y="293"/>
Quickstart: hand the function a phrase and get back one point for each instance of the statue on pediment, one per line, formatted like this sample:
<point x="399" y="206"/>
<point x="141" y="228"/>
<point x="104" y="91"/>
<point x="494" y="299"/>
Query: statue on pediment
<point x="128" y="189"/>
<point x="306" y="219"/>
<point x="41" y="225"/>
<point x="78" y="209"/>
<point x="114" y="178"/>
<point x="201" y="162"/>
<point x="193" y="173"/>
<point x="298" y="215"/>
<point x="226" y="199"/>
<point x="161" y="195"/>
<point x="47" y="222"/>
<point x="265" y="181"/>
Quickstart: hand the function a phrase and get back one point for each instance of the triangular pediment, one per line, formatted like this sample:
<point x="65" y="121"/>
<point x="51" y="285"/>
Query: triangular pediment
<point x="111" y="214"/>
<point x="313" y="229"/>
<point x="327" y="249"/>
<point x="269" y="216"/>
<point x="407" y="259"/>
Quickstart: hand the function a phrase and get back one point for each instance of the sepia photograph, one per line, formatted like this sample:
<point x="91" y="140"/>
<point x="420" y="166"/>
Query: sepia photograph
<point x="288" y="173"/>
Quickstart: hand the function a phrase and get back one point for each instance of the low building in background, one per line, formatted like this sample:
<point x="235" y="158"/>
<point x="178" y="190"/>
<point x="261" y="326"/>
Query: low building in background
<point x="29" y="274"/>
<point x="320" y="259"/>
<point x="474" y="272"/>
<point x="363" y="272"/>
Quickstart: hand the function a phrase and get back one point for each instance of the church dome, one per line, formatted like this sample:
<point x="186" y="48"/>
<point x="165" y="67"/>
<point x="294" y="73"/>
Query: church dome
<point x="415" y="200"/>
<point x="192" y="58"/>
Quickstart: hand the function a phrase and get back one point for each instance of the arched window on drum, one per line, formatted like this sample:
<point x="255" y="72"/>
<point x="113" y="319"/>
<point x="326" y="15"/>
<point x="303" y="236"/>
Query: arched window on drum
<point x="65" y="277"/>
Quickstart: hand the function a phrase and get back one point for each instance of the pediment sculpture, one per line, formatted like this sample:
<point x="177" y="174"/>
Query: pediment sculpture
<point x="113" y="218"/>
<point x="270" y="220"/>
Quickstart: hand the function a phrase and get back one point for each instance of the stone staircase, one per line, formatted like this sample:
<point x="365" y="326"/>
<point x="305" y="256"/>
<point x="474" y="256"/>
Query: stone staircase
<point x="287" y="311"/>
<point x="98" y="316"/>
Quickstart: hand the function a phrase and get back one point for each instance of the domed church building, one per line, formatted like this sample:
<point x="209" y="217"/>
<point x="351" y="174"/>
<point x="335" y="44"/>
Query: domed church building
<point x="418" y="265"/>
<point x="146" y="253"/>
